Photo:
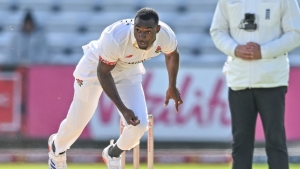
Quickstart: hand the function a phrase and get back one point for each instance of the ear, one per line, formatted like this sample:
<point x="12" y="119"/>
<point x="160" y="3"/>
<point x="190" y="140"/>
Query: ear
<point x="158" y="28"/>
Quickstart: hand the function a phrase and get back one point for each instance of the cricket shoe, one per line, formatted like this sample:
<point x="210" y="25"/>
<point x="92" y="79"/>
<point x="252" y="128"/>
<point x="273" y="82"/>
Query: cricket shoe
<point x="111" y="162"/>
<point x="56" y="162"/>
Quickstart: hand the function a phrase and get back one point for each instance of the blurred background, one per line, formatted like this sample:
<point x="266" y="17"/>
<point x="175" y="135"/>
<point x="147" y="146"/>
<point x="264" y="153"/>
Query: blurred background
<point x="40" y="45"/>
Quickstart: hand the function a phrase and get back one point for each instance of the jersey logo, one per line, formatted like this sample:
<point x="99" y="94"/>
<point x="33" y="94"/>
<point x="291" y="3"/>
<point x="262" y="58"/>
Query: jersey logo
<point x="158" y="49"/>
<point x="268" y="14"/>
<point x="79" y="82"/>
<point x="129" y="56"/>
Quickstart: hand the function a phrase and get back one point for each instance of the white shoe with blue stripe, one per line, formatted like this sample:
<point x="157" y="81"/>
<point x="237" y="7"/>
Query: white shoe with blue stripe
<point x="56" y="162"/>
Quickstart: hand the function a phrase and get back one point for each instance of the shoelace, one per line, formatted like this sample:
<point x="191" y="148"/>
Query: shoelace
<point x="61" y="165"/>
<point x="115" y="163"/>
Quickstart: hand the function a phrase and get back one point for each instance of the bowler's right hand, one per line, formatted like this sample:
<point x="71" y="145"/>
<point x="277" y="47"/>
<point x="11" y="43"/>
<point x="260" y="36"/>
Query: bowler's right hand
<point x="130" y="117"/>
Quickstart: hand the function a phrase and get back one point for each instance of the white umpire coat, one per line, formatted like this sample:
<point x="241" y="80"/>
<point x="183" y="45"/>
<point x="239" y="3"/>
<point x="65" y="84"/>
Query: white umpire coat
<point x="278" y="32"/>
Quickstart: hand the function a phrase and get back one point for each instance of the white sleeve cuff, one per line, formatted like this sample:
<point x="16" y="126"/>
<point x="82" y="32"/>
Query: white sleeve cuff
<point x="232" y="52"/>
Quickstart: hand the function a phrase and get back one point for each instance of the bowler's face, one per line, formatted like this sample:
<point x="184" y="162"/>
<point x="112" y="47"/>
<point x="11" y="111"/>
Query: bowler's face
<point x="145" y="32"/>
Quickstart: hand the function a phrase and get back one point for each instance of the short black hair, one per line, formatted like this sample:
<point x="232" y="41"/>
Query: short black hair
<point x="146" y="14"/>
<point x="28" y="16"/>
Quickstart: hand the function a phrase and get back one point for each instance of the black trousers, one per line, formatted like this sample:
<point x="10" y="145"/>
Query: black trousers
<point x="244" y="107"/>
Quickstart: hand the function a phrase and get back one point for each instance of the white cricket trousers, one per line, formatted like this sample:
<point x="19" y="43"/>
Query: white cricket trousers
<point x="83" y="106"/>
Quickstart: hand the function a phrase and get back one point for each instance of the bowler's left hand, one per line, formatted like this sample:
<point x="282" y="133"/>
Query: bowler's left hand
<point x="173" y="93"/>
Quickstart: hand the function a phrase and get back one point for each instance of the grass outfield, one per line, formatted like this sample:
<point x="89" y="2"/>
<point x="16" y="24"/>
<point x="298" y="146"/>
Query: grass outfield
<point x="157" y="166"/>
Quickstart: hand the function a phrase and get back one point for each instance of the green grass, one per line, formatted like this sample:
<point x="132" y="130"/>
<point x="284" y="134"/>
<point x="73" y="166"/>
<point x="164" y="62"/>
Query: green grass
<point x="143" y="166"/>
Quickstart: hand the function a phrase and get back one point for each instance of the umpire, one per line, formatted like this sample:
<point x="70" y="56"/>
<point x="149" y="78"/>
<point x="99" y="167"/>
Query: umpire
<point x="256" y="35"/>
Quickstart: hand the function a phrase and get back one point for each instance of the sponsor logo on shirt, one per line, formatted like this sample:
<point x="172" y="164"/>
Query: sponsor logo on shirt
<point x="140" y="61"/>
